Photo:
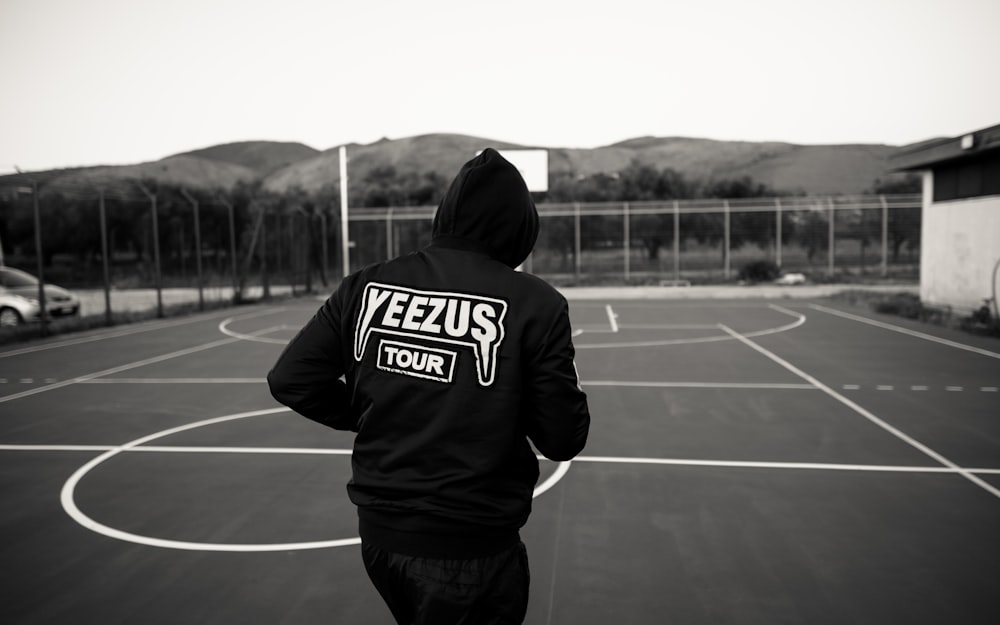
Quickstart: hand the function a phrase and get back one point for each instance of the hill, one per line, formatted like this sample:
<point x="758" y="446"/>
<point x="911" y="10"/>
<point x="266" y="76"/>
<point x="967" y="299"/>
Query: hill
<point x="816" y="169"/>
<point x="279" y="167"/>
<point x="187" y="171"/>
<point x="263" y="157"/>
<point x="441" y="153"/>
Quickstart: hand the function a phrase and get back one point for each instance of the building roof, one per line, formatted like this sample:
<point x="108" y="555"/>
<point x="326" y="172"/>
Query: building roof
<point x="926" y="155"/>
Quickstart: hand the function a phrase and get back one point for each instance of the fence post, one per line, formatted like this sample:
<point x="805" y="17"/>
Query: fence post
<point x="677" y="242"/>
<point x="265" y="276"/>
<point x="156" y="250"/>
<point x="628" y="244"/>
<point x="576" y="239"/>
<point x="831" y="239"/>
<point x="197" y="247"/>
<point x="104" y="256"/>
<point x="43" y="318"/>
<point x="885" y="236"/>
<point x="251" y="248"/>
<point x="388" y="234"/>
<point x="325" y="252"/>
<point x="725" y="207"/>
<point x="344" y="218"/>
<point x="777" y="228"/>
<point x="232" y="246"/>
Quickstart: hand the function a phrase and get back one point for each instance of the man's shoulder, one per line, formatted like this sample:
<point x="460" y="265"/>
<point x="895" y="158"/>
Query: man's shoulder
<point x="539" y="290"/>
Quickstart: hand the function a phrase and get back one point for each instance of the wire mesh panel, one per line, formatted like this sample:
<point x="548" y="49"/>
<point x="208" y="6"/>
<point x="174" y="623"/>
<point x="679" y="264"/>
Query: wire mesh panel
<point x="247" y="244"/>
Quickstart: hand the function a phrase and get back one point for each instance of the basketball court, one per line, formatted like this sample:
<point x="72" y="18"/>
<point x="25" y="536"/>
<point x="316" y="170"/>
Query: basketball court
<point x="749" y="462"/>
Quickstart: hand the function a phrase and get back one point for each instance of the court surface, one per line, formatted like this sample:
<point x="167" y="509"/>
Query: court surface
<point x="750" y="462"/>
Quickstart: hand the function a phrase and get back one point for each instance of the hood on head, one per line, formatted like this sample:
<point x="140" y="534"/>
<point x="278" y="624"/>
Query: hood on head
<point x="489" y="204"/>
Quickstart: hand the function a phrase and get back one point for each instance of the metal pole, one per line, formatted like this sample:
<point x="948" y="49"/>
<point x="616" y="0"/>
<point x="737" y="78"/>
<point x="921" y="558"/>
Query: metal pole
<point x="725" y="204"/>
<point x="388" y="234"/>
<point x="885" y="236"/>
<point x="677" y="243"/>
<point x="628" y="245"/>
<point x="104" y="257"/>
<point x="232" y="247"/>
<point x="156" y="250"/>
<point x="830" y="239"/>
<point x="576" y="238"/>
<point x="43" y="311"/>
<point x="265" y="277"/>
<point x="344" y="238"/>
<point x="197" y="247"/>
<point x="326" y="251"/>
<point x="777" y="240"/>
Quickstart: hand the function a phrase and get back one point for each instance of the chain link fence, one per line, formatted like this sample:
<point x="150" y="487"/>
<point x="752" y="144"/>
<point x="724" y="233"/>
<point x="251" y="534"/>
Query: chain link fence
<point x="122" y="250"/>
<point x="691" y="241"/>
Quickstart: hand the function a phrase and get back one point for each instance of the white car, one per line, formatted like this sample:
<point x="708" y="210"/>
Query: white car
<point x="791" y="278"/>
<point x="19" y="298"/>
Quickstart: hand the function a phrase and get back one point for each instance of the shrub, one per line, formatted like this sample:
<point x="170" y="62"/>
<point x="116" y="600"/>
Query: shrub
<point x="759" y="271"/>
<point x="905" y="305"/>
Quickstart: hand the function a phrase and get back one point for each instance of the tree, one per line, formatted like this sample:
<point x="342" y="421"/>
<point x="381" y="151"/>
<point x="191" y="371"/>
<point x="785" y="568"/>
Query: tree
<point x="904" y="223"/>
<point x="812" y="233"/>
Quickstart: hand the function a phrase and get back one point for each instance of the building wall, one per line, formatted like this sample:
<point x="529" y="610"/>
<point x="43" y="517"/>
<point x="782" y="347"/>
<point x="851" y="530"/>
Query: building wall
<point x="960" y="244"/>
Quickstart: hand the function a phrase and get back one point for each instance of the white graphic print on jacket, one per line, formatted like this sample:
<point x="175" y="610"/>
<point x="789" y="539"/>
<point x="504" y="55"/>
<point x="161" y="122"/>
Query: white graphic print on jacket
<point x="441" y="317"/>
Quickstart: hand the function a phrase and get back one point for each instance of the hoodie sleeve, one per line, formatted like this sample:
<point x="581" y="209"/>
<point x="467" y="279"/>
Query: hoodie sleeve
<point x="555" y="407"/>
<point x="307" y="375"/>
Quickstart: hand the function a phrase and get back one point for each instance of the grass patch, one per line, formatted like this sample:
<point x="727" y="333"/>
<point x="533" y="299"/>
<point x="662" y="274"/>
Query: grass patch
<point x="909" y="306"/>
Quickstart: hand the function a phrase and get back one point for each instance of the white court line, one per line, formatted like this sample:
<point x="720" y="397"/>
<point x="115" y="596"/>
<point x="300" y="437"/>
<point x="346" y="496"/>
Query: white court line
<point x="668" y="326"/>
<point x="749" y="464"/>
<point x="69" y="504"/>
<point x="800" y="319"/>
<point x="894" y="328"/>
<point x="132" y="365"/>
<point x="174" y="381"/>
<point x="57" y="447"/>
<point x="866" y="414"/>
<point x="67" y="495"/>
<point x="544" y="486"/>
<point x="612" y="318"/>
<point x="749" y="385"/>
<point x="224" y="328"/>
<point x="111" y="335"/>
<point x="128" y="366"/>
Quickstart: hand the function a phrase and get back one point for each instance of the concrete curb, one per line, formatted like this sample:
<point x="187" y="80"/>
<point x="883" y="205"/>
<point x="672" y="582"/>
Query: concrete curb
<point x="727" y="292"/>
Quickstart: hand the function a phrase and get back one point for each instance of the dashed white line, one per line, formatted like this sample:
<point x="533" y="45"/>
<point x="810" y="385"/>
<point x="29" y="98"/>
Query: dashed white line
<point x="132" y="365"/>
<point x="145" y="327"/>
<point x="720" y="385"/>
<point x="175" y="381"/>
<point x="865" y="413"/>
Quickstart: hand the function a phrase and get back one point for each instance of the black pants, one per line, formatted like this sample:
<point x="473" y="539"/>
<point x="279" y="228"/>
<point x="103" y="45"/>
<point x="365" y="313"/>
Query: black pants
<point x="427" y="591"/>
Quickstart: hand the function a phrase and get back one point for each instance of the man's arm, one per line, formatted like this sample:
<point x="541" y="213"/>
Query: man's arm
<point x="306" y="377"/>
<point x="557" y="415"/>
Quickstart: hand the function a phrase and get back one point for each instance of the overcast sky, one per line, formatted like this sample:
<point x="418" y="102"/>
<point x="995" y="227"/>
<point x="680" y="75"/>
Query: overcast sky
<point x="89" y="82"/>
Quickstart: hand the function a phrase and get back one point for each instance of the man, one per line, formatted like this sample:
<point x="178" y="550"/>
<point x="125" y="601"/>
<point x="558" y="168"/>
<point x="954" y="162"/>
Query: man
<point x="451" y="361"/>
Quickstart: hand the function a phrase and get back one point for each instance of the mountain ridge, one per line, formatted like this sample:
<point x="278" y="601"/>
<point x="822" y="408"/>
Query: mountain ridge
<point x="283" y="166"/>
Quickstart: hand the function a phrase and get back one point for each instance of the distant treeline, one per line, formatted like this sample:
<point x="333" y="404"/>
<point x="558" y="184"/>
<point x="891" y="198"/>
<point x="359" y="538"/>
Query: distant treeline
<point x="385" y="186"/>
<point x="292" y="222"/>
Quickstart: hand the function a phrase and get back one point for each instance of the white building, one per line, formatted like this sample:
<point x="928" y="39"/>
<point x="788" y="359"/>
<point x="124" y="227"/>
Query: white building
<point x="960" y="226"/>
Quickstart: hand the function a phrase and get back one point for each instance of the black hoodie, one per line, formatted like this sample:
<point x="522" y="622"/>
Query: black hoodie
<point x="451" y="361"/>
